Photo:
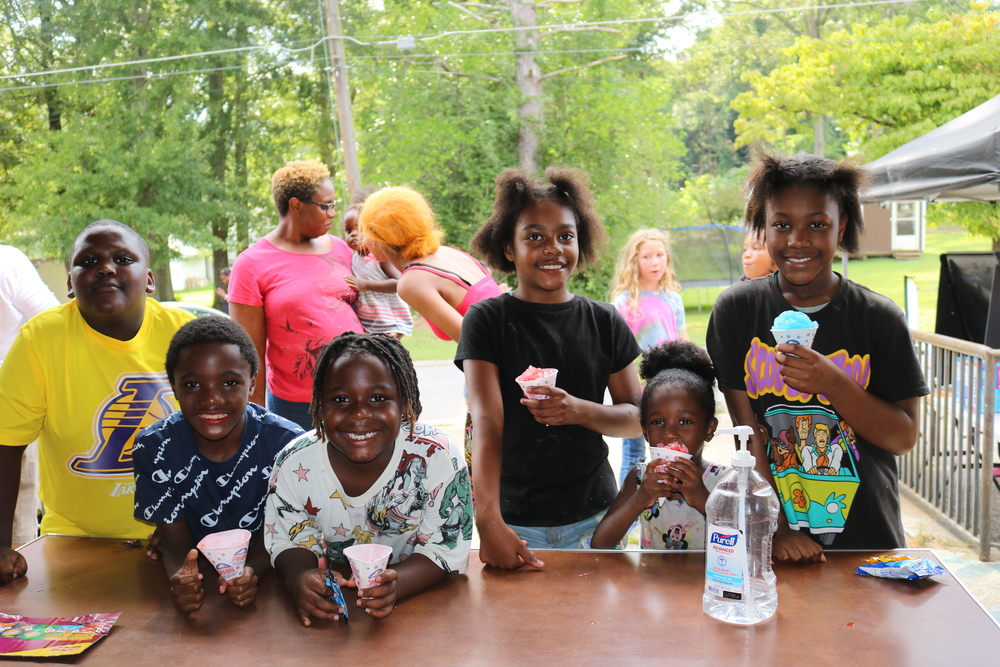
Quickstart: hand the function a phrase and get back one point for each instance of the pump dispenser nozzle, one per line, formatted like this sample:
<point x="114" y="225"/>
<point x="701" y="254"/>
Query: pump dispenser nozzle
<point x="743" y="458"/>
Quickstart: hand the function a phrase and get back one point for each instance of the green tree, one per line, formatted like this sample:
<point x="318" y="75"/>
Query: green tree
<point x="747" y="40"/>
<point x="884" y="85"/>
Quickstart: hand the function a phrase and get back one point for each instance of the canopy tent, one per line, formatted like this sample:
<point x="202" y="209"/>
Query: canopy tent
<point x="958" y="161"/>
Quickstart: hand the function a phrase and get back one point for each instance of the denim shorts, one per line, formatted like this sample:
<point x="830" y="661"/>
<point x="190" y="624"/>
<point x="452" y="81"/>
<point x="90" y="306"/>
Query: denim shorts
<point x="572" y="536"/>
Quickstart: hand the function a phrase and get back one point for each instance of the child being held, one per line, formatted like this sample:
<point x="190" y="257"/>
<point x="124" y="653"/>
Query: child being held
<point x="677" y="408"/>
<point x="369" y="473"/>
<point x="378" y="306"/>
<point x="206" y="468"/>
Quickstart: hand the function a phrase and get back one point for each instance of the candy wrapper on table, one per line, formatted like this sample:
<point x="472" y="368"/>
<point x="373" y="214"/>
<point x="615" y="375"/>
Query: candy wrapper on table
<point x="21" y="636"/>
<point x="338" y="594"/>
<point x="900" y="567"/>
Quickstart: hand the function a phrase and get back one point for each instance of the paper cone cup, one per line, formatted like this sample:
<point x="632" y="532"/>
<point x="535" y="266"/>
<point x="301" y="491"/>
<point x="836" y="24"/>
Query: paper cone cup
<point x="367" y="562"/>
<point x="802" y="337"/>
<point x="227" y="552"/>
<point x="543" y="381"/>
<point x="666" y="455"/>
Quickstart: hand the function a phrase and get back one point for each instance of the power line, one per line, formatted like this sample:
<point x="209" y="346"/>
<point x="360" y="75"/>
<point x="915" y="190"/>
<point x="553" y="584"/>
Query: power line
<point x="438" y="56"/>
<point x="376" y="42"/>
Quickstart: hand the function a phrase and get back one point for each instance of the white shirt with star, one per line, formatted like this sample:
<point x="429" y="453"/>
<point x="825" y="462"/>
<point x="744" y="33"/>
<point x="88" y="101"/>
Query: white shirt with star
<point x="422" y="502"/>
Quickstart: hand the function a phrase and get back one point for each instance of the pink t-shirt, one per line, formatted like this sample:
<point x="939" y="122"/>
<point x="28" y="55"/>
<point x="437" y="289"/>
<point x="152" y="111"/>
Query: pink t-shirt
<point x="484" y="288"/>
<point x="306" y="304"/>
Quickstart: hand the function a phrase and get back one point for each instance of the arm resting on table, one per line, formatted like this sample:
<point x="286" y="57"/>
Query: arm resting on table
<point x="12" y="564"/>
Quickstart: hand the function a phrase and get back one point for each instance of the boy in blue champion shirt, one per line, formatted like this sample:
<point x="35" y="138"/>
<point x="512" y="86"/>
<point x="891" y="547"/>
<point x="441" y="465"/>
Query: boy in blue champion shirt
<point x="206" y="468"/>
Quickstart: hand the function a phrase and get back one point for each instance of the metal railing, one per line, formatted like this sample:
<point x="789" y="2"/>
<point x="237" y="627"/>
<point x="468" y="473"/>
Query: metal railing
<point x="951" y="466"/>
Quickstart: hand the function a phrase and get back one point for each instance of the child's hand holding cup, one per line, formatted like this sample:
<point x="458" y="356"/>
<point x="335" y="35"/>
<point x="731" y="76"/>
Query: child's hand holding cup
<point x="376" y="584"/>
<point x="667" y="452"/>
<point x="536" y="377"/>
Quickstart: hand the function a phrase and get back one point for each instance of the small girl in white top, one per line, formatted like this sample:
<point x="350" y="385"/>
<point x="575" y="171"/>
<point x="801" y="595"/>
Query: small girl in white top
<point x="677" y="408"/>
<point x="367" y="474"/>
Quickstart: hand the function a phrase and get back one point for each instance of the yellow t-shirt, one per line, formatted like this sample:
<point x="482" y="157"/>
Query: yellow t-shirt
<point x="84" y="396"/>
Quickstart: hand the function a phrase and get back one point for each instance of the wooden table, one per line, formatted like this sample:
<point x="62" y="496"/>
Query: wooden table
<point x="585" y="607"/>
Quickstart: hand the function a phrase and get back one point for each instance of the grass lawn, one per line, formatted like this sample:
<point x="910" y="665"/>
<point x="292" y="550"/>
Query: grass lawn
<point x="882" y="274"/>
<point x="204" y="297"/>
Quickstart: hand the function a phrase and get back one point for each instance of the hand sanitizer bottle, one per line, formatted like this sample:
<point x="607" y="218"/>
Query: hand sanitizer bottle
<point x="742" y="515"/>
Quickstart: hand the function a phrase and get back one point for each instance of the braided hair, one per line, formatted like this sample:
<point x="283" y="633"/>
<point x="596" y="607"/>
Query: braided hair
<point x="678" y="362"/>
<point x="384" y="347"/>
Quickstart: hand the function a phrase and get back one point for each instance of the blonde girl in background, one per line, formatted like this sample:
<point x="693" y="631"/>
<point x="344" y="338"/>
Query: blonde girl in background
<point x="646" y="293"/>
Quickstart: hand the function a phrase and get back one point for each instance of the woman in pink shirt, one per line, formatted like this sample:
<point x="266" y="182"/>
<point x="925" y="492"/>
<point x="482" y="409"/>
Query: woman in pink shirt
<point x="288" y="289"/>
<point x="439" y="282"/>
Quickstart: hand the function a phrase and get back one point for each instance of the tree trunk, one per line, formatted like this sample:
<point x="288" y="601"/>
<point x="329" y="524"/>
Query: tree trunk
<point x="996" y="245"/>
<point x="528" y="77"/>
<point x="161" y="278"/>
<point x="326" y="135"/>
<point x="50" y="96"/>
<point x="219" y="127"/>
<point x="819" y="136"/>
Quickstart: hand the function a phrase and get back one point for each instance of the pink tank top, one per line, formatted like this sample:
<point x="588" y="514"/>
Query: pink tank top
<point x="485" y="288"/>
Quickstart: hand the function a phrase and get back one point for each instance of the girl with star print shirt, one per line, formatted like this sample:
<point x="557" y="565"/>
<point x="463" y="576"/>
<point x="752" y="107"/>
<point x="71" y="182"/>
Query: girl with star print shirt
<point x="421" y="503"/>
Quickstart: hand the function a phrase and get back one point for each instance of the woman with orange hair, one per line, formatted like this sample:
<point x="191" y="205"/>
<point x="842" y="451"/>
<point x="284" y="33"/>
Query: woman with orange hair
<point x="439" y="282"/>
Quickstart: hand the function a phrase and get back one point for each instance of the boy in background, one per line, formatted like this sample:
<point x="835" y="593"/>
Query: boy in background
<point x="84" y="378"/>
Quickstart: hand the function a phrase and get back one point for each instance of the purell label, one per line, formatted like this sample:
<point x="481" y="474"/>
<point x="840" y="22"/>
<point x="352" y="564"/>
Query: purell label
<point x="725" y="554"/>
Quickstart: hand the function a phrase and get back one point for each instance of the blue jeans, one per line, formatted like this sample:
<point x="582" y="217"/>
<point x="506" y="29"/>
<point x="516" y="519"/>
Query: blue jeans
<point x="290" y="410"/>
<point x="632" y="450"/>
<point x="573" y="536"/>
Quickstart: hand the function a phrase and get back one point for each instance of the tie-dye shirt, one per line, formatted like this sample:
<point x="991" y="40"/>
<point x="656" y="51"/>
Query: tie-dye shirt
<point x="658" y="319"/>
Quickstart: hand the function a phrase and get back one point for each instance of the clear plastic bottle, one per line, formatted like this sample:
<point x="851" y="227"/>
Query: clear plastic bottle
<point x="742" y="515"/>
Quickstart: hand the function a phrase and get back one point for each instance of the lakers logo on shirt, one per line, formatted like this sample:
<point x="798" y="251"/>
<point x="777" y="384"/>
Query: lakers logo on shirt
<point x="139" y="399"/>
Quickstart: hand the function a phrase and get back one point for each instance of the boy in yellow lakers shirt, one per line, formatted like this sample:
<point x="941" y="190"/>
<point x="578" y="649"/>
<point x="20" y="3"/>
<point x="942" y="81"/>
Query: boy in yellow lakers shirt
<point x="84" y="378"/>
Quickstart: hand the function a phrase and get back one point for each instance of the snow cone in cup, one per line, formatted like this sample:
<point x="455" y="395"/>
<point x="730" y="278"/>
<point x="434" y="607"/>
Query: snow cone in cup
<point x="227" y="551"/>
<point x="668" y="452"/>
<point x="367" y="562"/>
<point x="536" y="377"/>
<point x="794" y="327"/>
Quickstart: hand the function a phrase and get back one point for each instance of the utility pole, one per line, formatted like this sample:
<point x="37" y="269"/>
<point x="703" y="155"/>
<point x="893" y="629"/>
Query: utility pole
<point x="343" y="94"/>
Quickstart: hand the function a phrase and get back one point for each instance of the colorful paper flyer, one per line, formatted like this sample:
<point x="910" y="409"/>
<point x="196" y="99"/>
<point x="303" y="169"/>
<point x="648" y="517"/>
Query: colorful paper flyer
<point x="21" y="636"/>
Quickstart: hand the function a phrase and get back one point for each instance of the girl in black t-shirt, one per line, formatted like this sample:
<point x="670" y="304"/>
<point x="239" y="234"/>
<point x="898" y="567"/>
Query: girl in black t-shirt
<point x="542" y="475"/>
<point x="835" y="414"/>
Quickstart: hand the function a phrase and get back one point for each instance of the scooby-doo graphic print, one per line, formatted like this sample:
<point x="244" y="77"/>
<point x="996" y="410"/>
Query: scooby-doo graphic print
<point x="422" y="502"/>
<point x="813" y="460"/>
<point x="832" y="482"/>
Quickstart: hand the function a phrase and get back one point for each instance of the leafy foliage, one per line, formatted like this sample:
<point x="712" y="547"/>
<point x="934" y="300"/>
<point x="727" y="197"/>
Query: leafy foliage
<point x="884" y="84"/>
